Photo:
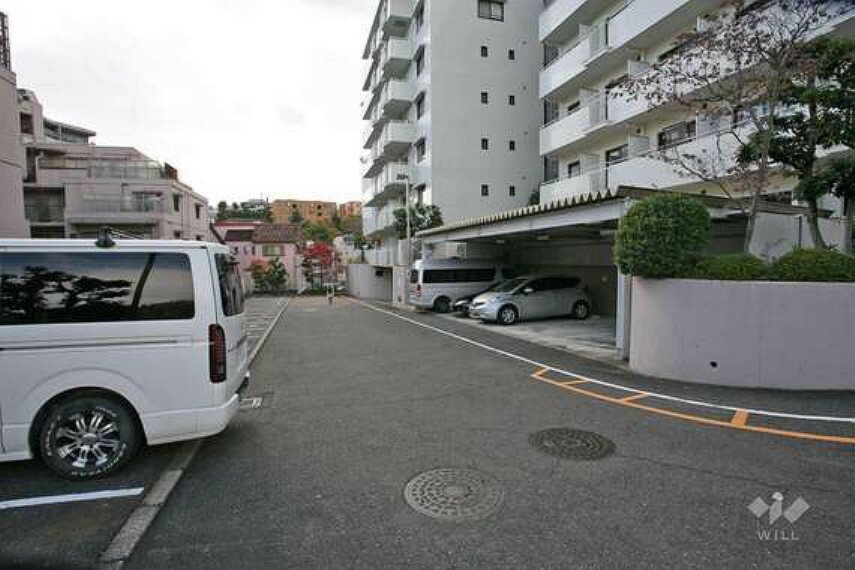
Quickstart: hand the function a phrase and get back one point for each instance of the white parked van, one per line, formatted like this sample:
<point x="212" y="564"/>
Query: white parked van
<point x="106" y="346"/>
<point x="437" y="283"/>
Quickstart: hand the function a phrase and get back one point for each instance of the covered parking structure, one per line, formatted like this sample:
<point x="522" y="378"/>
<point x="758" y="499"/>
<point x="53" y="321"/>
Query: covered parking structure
<point x="576" y="236"/>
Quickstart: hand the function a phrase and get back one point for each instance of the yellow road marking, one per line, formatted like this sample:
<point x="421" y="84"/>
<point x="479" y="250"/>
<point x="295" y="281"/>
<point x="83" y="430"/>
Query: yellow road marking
<point x="573" y="382"/>
<point x="635" y="397"/>
<point x="739" y="418"/>
<point x="698" y="419"/>
<point x="539" y="374"/>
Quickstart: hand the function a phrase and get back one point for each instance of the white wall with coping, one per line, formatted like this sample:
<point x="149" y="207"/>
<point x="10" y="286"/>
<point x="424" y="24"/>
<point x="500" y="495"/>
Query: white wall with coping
<point x="792" y="336"/>
<point x="368" y="282"/>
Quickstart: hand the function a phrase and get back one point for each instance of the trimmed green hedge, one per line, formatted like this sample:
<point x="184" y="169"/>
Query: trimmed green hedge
<point x="731" y="267"/>
<point x="662" y="236"/>
<point x="822" y="265"/>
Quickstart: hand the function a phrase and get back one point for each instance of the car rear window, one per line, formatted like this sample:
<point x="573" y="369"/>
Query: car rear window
<point x="231" y="288"/>
<point x="48" y="288"/>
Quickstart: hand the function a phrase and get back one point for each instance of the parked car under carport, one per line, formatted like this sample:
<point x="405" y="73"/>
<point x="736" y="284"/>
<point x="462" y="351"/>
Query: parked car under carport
<point x="533" y="297"/>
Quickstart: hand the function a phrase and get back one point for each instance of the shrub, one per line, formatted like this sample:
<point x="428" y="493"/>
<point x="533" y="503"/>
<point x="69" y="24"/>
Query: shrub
<point x="814" y="265"/>
<point x="662" y="236"/>
<point x="731" y="267"/>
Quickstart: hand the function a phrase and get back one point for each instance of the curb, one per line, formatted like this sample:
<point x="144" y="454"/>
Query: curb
<point x="140" y="519"/>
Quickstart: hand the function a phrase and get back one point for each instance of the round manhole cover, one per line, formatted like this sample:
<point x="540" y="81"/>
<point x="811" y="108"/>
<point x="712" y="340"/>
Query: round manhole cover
<point x="572" y="444"/>
<point x="455" y="495"/>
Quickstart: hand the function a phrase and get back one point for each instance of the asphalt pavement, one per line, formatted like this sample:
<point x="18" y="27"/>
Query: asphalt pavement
<point x="357" y="402"/>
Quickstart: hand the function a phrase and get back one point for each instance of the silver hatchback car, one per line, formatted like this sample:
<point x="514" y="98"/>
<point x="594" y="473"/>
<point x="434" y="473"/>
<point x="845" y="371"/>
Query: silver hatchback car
<point x="534" y="297"/>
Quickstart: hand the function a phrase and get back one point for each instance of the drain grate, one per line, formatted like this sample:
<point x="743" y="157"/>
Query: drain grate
<point x="456" y="495"/>
<point x="567" y="443"/>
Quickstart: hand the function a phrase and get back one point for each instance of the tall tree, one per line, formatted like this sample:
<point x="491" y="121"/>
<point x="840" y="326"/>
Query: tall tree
<point x="732" y="72"/>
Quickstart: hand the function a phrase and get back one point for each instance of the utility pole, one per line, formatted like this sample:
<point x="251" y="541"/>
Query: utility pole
<point x="409" y="257"/>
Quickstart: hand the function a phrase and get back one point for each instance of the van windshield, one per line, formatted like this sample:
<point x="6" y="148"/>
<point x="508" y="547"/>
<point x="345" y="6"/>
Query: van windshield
<point x="509" y="286"/>
<point x="231" y="289"/>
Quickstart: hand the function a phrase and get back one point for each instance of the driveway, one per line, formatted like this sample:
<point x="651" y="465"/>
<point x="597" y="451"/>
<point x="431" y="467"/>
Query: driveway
<point x="361" y="406"/>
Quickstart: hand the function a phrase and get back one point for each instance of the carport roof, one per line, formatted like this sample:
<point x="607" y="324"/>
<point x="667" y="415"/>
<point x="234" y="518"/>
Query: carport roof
<point x="602" y="197"/>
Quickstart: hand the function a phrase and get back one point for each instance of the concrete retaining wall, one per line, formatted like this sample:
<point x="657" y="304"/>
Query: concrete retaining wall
<point x="793" y="336"/>
<point x="369" y="282"/>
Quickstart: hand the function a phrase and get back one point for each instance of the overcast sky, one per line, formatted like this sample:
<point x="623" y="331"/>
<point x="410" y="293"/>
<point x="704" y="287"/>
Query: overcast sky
<point x="246" y="98"/>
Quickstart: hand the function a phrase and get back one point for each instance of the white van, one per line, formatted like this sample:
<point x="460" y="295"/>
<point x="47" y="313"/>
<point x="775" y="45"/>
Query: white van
<point x="108" y="345"/>
<point x="437" y="283"/>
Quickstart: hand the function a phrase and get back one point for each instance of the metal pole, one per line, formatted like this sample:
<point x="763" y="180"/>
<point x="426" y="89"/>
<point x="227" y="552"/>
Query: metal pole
<point x="409" y="247"/>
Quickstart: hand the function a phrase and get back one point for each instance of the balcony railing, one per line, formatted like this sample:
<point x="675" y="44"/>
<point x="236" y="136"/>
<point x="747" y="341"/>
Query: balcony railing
<point x="106" y="168"/>
<point x="44" y="213"/>
<point x="94" y="204"/>
<point x="556" y="13"/>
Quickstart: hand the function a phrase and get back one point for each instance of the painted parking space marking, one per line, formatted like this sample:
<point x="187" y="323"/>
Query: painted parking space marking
<point x="71" y="498"/>
<point x="543" y="369"/>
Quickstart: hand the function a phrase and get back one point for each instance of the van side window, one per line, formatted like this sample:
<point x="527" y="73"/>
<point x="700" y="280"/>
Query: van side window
<point x="49" y="288"/>
<point x="231" y="289"/>
<point x="459" y="275"/>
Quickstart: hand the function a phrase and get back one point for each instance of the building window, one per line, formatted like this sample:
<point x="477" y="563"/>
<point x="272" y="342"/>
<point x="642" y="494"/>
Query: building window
<point x="512" y="100"/>
<point x="485" y="97"/>
<point x="420" y="106"/>
<point x="271" y="250"/>
<point x="419" y="17"/>
<point x="176" y="202"/>
<point x="26" y="124"/>
<point x="675" y="134"/>
<point x="420" y="62"/>
<point x="485" y="189"/>
<point x="512" y="190"/>
<point x="574" y="169"/>
<point x="573" y="107"/>
<point x="485" y="51"/>
<point x="617" y="154"/>
<point x="421" y="150"/>
<point x="491" y="10"/>
<point x="485" y="144"/>
<point x="176" y="234"/>
<point x="512" y="55"/>
<point x="199" y="238"/>
<point x="253" y="250"/>
<point x="198" y="211"/>
<point x="512" y="145"/>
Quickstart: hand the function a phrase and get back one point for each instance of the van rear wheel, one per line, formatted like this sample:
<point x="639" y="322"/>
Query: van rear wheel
<point x="442" y="305"/>
<point x="88" y="436"/>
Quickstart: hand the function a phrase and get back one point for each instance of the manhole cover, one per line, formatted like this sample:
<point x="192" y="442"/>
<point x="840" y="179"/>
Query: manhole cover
<point x="455" y="495"/>
<point x="572" y="444"/>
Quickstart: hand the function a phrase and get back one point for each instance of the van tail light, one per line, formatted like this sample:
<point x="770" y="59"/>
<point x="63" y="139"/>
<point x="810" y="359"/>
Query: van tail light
<point x="217" y="353"/>
<point x="418" y="290"/>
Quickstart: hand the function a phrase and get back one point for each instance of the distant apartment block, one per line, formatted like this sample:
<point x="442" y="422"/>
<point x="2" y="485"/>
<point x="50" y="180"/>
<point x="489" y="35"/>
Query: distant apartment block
<point x="451" y="108"/>
<point x="309" y="210"/>
<point x="73" y="187"/>
<point x="350" y="209"/>
<point x="12" y="221"/>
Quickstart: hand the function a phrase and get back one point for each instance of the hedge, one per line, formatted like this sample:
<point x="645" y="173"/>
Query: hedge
<point x="731" y="267"/>
<point x="662" y="236"/>
<point x="822" y="265"/>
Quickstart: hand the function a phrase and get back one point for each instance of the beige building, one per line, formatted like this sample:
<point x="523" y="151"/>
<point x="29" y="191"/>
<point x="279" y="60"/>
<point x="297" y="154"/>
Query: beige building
<point x="350" y="209"/>
<point x="73" y="187"/>
<point x="12" y="221"/>
<point x="310" y="210"/>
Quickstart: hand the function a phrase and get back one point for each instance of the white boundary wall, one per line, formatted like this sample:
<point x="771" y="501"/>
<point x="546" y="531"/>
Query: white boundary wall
<point x="793" y="336"/>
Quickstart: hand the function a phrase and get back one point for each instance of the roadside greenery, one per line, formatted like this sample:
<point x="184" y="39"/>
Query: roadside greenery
<point x="730" y="267"/>
<point x="269" y="276"/>
<point x="814" y="265"/>
<point x="662" y="236"/>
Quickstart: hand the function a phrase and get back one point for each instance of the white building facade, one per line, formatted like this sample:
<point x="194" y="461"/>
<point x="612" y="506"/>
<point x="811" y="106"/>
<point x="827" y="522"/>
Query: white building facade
<point x="452" y="109"/>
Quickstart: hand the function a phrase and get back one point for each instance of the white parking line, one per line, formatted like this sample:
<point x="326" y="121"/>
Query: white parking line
<point x="602" y="382"/>
<point x="73" y="498"/>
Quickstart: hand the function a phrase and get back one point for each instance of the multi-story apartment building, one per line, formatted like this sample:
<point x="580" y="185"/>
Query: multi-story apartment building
<point x="452" y="111"/>
<point x="309" y="210"/>
<point x="350" y="209"/>
<point x="597" y="138"/>
<point x="12" y="221"/>
<point x="73" y="187"/>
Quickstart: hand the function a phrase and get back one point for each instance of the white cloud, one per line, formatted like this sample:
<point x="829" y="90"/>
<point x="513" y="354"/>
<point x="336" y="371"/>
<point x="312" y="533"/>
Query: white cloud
<point x="245" y="97"/>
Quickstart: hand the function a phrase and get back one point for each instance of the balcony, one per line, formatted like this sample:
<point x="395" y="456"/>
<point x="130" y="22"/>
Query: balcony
<point x="560" y="20"/>
<point x="395" y="98"/>
<point x="395" y="17"/>
<point x="395" y="58"/>
<point x="569" y="188"/>
<point x="639" y="25"/>
<point x="100" y="208"/>
<point x="106" y="168"/>
<point x="382" y="221"/>
<point x="386" y="185"/>
<point x="601" y="114"/>
<point x="42" y="213"/>
<point x="568" y="64"/>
